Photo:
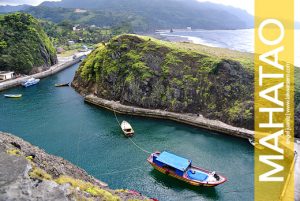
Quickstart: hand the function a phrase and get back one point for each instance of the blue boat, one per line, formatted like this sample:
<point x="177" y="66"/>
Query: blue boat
<point x="30" y="82"/>
<point x="182" y="169"/>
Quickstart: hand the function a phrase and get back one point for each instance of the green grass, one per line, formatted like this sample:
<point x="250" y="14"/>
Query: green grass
<point x="221" y="53"/>
<point x="87" y="187"/>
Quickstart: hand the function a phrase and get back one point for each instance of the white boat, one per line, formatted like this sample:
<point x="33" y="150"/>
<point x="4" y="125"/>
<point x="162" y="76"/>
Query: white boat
<point x="12" y="95"/>
<point x="127" y="129"/>
<point x="256" y="145"/>
<point x="30" y="82"/>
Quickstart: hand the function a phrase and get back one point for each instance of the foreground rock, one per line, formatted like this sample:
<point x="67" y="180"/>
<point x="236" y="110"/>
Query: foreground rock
<point x="28" y="173"/>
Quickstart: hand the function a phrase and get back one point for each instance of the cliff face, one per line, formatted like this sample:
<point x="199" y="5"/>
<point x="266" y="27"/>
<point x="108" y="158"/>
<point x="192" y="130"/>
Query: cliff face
<point x="24" y="46"/>
<point x="149" y="73"/>
<point x="28" y="173"/>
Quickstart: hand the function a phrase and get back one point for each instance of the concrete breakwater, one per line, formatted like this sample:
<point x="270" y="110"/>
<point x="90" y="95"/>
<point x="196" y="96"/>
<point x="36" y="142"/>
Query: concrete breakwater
<point x="52" y="70"/>
<point x="190" y="119"/>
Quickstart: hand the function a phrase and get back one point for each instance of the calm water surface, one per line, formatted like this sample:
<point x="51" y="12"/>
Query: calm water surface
<point x="58" y="120"/>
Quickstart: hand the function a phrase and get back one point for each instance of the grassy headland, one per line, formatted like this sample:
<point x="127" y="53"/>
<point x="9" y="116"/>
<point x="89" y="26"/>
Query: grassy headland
<point x="178" y="77"/>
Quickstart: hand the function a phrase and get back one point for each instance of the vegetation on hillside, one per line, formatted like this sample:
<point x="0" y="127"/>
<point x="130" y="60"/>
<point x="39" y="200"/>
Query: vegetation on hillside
<point x="120" y="22"/>
<point x="63" y="32"/>
<point x="145" y="15"/>
<point x="150" y="73"/>
<point x="24" y="44"/>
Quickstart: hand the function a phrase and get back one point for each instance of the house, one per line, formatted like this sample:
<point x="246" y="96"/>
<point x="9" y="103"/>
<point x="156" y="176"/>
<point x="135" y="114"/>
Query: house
<point x="5" y="75"/>
<point x="70" y="42"/>
<point x="84" y="48"/>
<point x="79" y="27"/>
<point x="77" y="10"/>
<point x="60" y="50"/>
<point x="189" y="28"/>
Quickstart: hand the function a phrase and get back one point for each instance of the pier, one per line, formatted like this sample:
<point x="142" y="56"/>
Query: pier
<point x="63" y="64"/>
<point x="190" y="119"/>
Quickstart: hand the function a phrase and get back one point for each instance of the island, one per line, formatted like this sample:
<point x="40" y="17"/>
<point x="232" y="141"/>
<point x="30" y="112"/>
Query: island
<point x="182" y="78"/>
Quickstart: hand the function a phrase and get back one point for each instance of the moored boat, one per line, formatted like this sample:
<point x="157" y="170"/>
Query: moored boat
<point x="12" y="95"/>
<point x="182" y="169"/>
<point x="256" y="145"/>
<point x="30" y="82"/>
<point x="62" y="85"/>
<point x="127" y="129"/>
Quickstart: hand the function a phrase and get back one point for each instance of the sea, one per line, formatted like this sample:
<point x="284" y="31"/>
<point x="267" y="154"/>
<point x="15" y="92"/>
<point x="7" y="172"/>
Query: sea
<point x="240" y="40"/>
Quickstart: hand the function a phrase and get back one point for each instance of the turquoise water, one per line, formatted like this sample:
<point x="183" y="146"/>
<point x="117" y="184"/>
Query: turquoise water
<point x="58" y="120"/>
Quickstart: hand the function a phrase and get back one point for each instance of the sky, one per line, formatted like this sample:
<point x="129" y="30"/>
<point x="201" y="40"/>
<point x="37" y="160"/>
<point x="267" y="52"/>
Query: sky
<point x="247" y="5"/>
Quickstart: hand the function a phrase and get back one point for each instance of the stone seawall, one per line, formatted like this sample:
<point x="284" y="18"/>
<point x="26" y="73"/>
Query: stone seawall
<point x="190" y="119"/>
<point x="53" y="70"/>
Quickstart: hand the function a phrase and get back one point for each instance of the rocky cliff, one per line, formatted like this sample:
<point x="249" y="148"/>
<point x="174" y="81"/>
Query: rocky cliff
<point x="24" y="46"/>
<point x="176" y="77"/>
<point x="28" y="173"/>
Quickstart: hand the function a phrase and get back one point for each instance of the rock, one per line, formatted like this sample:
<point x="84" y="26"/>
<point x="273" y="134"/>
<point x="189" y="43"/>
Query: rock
<point x="30" y="179"/>
<point x="28" y="49"/>
<point x="160" y="75"/>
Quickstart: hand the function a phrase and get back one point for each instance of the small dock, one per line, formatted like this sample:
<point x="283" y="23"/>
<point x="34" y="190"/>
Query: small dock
<point x="63" y="64"/>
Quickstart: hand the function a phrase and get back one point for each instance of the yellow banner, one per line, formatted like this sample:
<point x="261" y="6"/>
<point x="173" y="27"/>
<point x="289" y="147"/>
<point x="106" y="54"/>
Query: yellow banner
<point x="274" y="100"/>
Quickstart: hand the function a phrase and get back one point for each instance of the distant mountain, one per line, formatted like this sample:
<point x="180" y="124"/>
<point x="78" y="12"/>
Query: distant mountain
<point x="99" y="18"/>
<point x="9" y="9"/>
<point x="165" y="14"/>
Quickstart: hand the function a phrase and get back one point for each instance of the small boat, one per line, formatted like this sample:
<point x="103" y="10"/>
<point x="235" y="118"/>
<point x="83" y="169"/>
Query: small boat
<point x="182" y="169"/>
<point x="12" y="95"/>
<point x="256" y="145"/>
<point x="127" y="129"/>
<point x="62" y="85"/>
<point x="30" y="82"/>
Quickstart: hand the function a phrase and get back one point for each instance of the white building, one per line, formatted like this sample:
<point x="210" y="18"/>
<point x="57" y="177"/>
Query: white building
<point x="77" y="10"/>
<point x="70" y="42"/>
<point x="5" y="75"/>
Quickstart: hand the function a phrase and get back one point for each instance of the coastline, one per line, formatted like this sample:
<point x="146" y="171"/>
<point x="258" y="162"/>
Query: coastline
<point x="190" y="119"/>
<point x="67" y="62"/>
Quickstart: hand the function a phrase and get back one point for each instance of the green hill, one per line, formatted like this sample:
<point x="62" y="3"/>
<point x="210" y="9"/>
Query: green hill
<point x="24" y="46"/>
<point x="179" y="77"/>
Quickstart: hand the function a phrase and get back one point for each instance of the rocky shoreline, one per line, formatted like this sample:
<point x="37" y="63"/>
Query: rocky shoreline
<point x="29" y="173"/>
<point x="190" y="119"/>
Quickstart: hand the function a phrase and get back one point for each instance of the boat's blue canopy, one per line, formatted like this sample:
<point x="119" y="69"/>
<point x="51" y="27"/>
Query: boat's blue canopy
<point x="174" y="161"/>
